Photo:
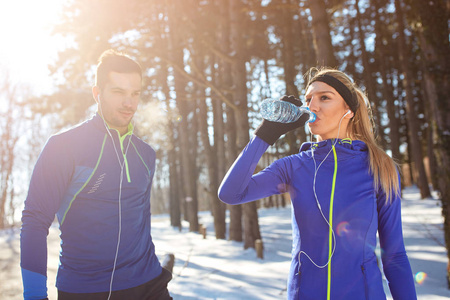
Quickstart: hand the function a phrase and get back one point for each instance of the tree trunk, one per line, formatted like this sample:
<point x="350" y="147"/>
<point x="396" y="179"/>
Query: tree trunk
<point x="290" y="74"/>
<point x="221" y="78"/>
<point x="239" y="76"/>
<point x="191" y="132"/>
<point x="174" y="183"/>
<point x="174" y="178"/>
<point x="235" y="227"/>
<point x="219" y="208"/>
<point x="369" y="80"/>
<point x="188" y="174"/>
<point x="9" y="135"/>
<point x="433" y="39"/>
<point x="235" y="230"/>
<point x="413" y="128"/>
<point x="381" y="55"/>
<point x="321" y="34"/>
<point x="307" y="51"/>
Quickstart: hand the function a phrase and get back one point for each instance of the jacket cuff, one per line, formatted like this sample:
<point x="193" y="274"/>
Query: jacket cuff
<point x="34" y="285"/>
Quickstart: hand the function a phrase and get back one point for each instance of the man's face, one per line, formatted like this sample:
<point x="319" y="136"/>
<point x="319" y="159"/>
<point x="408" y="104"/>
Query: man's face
<point x="119" y="99"/>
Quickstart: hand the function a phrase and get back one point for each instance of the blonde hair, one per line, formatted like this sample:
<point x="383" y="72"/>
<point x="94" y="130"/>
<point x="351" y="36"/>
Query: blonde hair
<point x="360" y="127"/>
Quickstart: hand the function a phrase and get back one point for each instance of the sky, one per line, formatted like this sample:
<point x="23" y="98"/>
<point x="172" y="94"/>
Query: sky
<point x="27" y="45"/>
<point x="221" y="269"/>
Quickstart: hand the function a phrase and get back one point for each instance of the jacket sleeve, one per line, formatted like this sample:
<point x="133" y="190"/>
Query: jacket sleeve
<point x="47" y="186"/>
<point x="396" y="265"/>
<point x="240" y="185"/>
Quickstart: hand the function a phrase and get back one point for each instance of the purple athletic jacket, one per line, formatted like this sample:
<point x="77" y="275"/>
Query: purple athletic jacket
<point x="77" y="178"/>
<point x="353" y="207"/>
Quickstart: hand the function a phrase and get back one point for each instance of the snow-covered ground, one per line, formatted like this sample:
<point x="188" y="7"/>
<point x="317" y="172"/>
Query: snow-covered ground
<point x="220" y="269"/>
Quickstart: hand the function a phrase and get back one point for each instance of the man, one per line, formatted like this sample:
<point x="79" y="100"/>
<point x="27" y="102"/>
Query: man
<point x="96" y="178"/>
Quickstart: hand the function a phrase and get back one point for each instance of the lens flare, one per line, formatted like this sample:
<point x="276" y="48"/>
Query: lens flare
<point x="420" y="277"/>
<point x="343" y="228"/>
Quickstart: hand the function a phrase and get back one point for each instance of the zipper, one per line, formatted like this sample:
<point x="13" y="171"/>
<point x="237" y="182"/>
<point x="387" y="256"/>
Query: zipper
<point x="330" y="220"/>
<point x="121" y="140"/>
<point x="299" y="279"/>
<point x="122" y="150"/>
<point x="365" y="281"/>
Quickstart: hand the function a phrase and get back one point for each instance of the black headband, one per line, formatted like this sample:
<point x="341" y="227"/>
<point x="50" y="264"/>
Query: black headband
<point x="349" y="97"/>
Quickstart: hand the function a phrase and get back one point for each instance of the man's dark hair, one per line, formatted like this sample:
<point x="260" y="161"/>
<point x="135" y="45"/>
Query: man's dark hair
<point x="113" y="61"/>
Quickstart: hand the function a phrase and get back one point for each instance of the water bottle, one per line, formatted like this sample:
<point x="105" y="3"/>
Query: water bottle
<point x="284" y="112"/>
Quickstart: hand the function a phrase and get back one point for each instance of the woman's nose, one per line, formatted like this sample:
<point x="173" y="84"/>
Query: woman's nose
<point x="313" y="105"/>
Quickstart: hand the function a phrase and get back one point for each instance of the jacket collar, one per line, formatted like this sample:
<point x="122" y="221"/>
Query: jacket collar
<point x="99" y="123"/>
<point x="344" y="147"/>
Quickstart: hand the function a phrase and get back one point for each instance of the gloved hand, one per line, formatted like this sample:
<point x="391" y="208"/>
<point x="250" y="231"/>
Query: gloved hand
<point x="270" y="132"/>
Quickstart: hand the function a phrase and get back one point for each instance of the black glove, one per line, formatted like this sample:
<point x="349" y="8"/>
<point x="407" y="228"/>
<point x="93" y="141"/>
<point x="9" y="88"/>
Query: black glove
<point x="270" y="132"/>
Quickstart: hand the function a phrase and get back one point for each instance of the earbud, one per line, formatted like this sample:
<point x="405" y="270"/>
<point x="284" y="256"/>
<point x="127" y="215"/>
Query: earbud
<point x="348" y="112"/>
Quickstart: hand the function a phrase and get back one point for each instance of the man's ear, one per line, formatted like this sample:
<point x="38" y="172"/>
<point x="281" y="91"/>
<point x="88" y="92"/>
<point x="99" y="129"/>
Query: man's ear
<point x="96" y="93"/>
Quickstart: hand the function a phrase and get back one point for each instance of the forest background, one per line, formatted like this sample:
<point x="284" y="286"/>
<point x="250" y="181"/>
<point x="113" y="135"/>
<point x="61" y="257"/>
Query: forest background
<point x="207" y="66"/>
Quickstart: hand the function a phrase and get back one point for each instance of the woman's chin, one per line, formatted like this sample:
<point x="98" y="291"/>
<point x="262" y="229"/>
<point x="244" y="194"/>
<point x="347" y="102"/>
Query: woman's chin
<point x="312" y="129"/>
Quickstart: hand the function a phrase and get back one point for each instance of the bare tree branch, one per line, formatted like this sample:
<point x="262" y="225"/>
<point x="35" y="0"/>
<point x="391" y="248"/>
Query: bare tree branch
<point x="200" y="81"/>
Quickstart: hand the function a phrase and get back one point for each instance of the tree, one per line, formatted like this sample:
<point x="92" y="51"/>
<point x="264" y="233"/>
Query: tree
<point x="381" y="58"/>
<point x="204" y="62"/>
<point x="431" y="26"/>
<point x="369" y="79"/>
<point x="288" y="58"/>
<point x="239" y="75"/>
<point x="321" y="34"/>
<point x="415" y="145"/>
<point x="11" y="119"/>
<point x="185" y="107"/>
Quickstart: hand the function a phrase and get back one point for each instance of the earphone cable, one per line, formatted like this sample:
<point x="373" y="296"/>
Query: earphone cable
<point x="121" y="164"/>
<point x="316" y="170"/>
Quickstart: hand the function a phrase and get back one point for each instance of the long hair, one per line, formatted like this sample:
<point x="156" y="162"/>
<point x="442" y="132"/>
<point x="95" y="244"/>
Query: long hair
<point x="360" y="127"/>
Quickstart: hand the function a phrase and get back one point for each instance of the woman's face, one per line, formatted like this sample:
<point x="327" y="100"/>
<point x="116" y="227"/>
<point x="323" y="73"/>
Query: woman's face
<point x="330" y="108"/>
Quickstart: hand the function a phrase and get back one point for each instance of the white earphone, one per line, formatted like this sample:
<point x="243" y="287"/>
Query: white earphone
<point x="122" y="165"/>
<point x="316" y="170"/>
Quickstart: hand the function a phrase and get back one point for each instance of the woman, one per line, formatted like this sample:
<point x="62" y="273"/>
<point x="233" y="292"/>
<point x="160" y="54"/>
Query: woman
<point x="344" y="189"/>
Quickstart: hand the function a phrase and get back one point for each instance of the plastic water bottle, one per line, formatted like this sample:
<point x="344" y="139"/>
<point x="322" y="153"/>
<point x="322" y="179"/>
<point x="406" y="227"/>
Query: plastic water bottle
<point x="284" y="112"/>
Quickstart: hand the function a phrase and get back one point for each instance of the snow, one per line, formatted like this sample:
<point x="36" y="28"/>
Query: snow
<point x="222" y="269"/>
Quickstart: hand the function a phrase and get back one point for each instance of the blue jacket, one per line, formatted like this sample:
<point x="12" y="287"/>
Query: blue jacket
<point x="353" y="207"/>
<point x="77" y="178"/>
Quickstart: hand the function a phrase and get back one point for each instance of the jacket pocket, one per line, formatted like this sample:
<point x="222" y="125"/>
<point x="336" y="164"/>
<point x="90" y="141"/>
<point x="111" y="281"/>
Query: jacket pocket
<point x="366" y="288"/>
<point x="373" y="284"/>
